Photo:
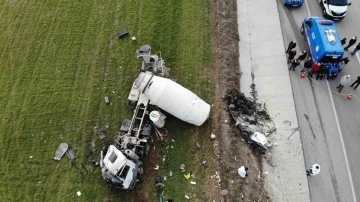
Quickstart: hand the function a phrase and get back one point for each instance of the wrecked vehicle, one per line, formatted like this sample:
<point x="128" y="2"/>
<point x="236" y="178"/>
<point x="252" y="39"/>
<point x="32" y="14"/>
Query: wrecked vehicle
<point x="121" y="163"/>
<point x="119" y="171"/>
<point x="252" y="119"/>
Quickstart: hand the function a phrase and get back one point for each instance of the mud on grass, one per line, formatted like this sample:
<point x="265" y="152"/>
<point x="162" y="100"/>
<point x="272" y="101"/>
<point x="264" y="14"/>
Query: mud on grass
<point x="233" y="151"/>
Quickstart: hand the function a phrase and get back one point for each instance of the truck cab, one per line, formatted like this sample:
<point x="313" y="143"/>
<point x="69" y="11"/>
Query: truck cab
<point x="335" y="9"/>
<point x="322" y="40"/>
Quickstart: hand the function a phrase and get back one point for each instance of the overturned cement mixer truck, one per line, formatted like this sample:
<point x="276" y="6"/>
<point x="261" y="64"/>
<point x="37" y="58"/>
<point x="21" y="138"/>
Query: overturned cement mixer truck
<point x="121" y="163"/>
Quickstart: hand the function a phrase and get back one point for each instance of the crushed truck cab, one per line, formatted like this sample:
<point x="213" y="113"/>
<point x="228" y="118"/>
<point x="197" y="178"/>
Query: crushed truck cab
<point x="322" y="40"/>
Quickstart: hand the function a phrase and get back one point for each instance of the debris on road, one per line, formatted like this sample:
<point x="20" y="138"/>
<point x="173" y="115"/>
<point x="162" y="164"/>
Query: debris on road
<point x="61" y="150"/>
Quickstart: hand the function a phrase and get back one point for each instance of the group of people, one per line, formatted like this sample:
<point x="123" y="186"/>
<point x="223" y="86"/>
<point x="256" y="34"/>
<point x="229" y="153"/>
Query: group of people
<point x="320" y="69"/>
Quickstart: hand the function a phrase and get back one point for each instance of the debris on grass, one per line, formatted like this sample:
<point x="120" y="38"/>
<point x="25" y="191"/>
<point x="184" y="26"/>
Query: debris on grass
<point x="224" y="192"/>
<point x="212" y="136"/>
<point x="157" y="167"/>
<point x="70" y="153"/>
<point x="61" y="150"/>
<point x="122" y="34"/>
<point x="78" y="193"/>
<point x="187" y="176"/>
<point x="107" y="100"/>
<point x="192" y="182"/>
<point x="182" y="168"/>
<point x="205" y="163"/>
<point x="187" y="197"/>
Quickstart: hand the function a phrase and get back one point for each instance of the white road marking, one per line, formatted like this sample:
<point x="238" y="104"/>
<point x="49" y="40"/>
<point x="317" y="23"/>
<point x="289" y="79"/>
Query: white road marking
<point x="338" y="126"/>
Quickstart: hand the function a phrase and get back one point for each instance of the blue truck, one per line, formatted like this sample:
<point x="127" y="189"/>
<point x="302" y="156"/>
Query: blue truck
<point x="293" y="3"/>
<point x="322" y="40"/>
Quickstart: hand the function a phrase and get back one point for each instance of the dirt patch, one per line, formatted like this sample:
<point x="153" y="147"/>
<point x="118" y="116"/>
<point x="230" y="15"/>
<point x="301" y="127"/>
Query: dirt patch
<point x="233" y="152"/>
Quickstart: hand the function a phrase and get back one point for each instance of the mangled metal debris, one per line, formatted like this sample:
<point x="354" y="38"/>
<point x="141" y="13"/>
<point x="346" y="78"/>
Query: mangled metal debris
<point x="252" y="119"/>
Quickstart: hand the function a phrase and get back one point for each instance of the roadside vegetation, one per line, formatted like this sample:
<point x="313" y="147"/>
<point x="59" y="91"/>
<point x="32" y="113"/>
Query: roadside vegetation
<point x="59" y="59"/>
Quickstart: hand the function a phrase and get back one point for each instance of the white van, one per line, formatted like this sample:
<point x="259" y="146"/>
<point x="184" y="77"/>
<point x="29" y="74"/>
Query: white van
<point x="335" y="9"/>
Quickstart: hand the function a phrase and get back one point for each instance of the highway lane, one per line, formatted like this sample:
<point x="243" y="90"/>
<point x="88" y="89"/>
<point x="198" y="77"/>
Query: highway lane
<point x="332" y="134"/>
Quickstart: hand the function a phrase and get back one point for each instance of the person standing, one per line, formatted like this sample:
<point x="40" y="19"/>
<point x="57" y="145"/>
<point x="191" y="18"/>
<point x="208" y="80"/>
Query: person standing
<point x="321" y="72"/>
<point x="341" y="66"/>
<point x="345" y="80"/>
<point x="357" y="47"/>
<point x="352" y="41"/>
<point x="333" y="71"/>
<point x="314" y="68"/>
<point x="294" y="64"/>
<point x="291" y="56"/>
<point x="346" y="60"/>
<point x="356" y="83"/>
<point x="307" y="65"/>
<point x="314" y="170"/>
<point x="302" y="55"/>
<point x="343" y="41"/>
<point x="291" y="46"/>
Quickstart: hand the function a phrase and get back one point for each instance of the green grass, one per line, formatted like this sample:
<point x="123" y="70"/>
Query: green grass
<point x="58" y="61"/>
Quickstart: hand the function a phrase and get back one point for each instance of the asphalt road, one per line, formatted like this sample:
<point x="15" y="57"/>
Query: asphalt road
<point x="331" y="134"/>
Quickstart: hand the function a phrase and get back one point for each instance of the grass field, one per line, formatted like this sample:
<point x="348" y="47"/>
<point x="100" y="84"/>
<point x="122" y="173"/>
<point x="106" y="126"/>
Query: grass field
<point x="59" y="59"/>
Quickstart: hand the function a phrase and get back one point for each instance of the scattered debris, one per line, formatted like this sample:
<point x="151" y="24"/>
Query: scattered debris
<point x="252" y="119"/>
<point x="78" y="193"/>
<point x="73" y="164"/>
<point x="133" y="38"/>
<point x="122" y="34"/>
<point x="70" y="153"/>
<point x="243" y="171"/>
<point x="182" y="168"/>
<point x="93" y="145"/>
<point x="187" y="176"/>
<point x="170" y="173"/>
<point x="95" y="163"/>
<point x="212" y="136"/>
<point x="187" y="197"/>
<point x="198" y="145"/>
<point x="61" y="150"/>
<point x="156" y="168"/>
<point x="107" y="100"/>
<point x="31" y="157"/>
<point x="287" y="122"/>
<point x="102" y="135"/>
<point x="205" y="163"/>
<point x="158" y="183"/>
<point x="192" y="182"/>
<point x="224" y="192"/>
